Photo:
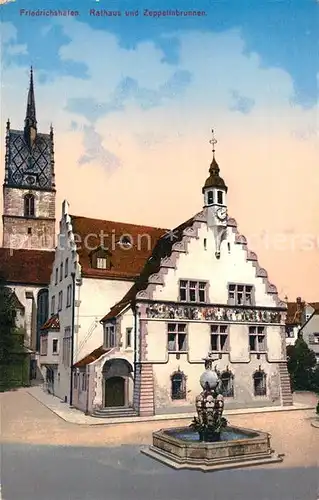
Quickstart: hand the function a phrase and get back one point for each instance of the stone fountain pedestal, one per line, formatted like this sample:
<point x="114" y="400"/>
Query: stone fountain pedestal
<point x="252" y="449"/>
<point x="209" y="443"/>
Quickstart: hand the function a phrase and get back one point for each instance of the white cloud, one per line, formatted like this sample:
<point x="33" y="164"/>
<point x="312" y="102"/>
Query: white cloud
<point x="163" y="152"/>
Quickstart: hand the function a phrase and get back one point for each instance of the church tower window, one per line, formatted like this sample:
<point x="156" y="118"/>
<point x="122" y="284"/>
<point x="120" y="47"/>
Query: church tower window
<point x="29" y="205"/>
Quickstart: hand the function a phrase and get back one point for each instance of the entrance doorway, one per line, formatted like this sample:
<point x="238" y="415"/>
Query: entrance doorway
<point x="114" y="392"/>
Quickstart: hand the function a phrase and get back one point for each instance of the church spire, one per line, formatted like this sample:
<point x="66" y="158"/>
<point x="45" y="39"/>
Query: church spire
<point x="30" y="122"/>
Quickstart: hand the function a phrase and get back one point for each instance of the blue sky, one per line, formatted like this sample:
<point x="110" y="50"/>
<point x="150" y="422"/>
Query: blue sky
<point x="283" y="33"/>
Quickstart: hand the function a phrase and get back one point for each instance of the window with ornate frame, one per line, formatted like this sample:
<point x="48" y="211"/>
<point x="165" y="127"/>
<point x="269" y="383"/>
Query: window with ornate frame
<point x="227" y="384"/>
<point x="178" y="385"/>
<point x="260" y="383"/>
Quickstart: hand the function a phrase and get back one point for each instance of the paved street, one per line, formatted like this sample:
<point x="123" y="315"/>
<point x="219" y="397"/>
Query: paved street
<point x="45" y="458"/>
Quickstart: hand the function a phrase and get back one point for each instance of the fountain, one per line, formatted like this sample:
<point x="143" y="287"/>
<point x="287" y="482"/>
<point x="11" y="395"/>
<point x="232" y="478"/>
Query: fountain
<point x="209" y="443"/>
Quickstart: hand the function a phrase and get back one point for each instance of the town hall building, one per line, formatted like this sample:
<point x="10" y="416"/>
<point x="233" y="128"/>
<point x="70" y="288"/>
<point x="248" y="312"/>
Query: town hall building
<point x="201" y="292"/>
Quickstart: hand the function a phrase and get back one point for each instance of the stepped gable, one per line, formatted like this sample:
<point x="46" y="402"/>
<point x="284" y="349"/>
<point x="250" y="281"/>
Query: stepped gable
<point x="126" y="263"/>
<point x="252" y="257"/>
<point x="26" y="267"/>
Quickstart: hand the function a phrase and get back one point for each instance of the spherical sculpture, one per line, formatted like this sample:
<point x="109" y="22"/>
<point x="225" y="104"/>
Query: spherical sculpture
<point x="209" y="380"/>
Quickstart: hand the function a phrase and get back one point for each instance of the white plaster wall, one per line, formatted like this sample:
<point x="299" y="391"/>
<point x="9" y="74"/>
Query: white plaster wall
<point x="231" y="267"/>
<point x="50" y="357"/>
<point x="96" y="297"/>
<point x="243" y="382"/>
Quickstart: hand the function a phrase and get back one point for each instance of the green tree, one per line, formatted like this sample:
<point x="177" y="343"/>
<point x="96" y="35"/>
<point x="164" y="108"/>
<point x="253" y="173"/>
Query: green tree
<point x="7" y="324"/>
<point x="301" y="362"/>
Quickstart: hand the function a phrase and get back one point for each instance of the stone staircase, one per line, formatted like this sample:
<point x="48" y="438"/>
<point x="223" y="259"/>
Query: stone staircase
<point x="115" y="412"/>
<point x="286" y="395"/>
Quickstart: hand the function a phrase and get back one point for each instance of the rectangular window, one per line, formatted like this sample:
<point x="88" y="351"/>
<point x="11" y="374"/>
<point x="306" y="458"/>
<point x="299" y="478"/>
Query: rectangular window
<point x="101" y="263"/>
<point x="219" y="338"/>
<point x="60" y="303"/>
<point x="128" y="337"/>
<point x="68" y="296"/>
<point x="75" y="380"/>
<point x="240" y="295"/>
<point x="109" y="336"/>
<point x="257" y="339"/>
<point x="66" y="355"/>
<point x="66" y="268"/>
<point x="61" y="271"/>
<point x="177" y="337"/>
<point x="56" y="275"/>
<point x="44" y="346"/>
<point x="53" y="305"/>
<point x="193" y="291"/>
<point x="55" y="346"/>
<point x="83" y="382"/>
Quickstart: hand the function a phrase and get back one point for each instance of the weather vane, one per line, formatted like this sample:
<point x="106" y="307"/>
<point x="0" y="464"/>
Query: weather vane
<point x="213" y="141"/>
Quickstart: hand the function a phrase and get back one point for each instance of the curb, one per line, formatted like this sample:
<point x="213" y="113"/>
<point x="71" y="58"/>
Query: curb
<point x="315" y="423"/>
<point x="165" y="417"/>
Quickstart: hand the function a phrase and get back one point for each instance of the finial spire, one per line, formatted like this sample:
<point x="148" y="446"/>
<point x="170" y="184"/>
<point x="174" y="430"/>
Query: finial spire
<point x="213" y="141"/>
<point x="30" y="122"/>
<point x="30" y="118"/>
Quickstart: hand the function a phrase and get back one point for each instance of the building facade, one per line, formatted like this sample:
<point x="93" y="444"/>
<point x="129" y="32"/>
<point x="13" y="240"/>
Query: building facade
<point x="201" y="291"/>
<point x="92" y="270"/>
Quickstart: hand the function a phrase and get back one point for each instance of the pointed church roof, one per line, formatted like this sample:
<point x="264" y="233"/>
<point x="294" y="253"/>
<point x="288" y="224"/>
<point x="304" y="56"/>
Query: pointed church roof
<point x="30" y="117"/>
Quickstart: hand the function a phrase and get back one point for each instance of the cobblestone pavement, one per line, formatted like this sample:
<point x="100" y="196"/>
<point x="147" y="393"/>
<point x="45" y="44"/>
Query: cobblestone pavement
<point x="25" y="420"/>
<point x="45" y="458"/>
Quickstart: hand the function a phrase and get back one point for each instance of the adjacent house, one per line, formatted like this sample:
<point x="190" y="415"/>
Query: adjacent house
<point x="95" y="264"/>
<point x="310" y="332"/>
<point x="200" y="291"/>
<point x="298" y="314"/>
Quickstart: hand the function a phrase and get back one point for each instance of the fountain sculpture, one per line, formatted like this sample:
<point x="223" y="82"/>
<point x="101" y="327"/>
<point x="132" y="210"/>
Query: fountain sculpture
<point x="209" y="443"/>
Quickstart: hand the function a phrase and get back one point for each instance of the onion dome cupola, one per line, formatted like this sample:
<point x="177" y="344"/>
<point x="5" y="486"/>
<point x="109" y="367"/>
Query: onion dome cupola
<point x="214" y="189"/>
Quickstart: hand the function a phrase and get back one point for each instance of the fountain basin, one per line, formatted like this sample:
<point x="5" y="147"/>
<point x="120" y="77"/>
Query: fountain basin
<point x="180" y="448"/>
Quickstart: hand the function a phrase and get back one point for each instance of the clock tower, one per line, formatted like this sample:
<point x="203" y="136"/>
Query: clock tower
<point x="29" y="185"/>
<point x="215" y="202"/>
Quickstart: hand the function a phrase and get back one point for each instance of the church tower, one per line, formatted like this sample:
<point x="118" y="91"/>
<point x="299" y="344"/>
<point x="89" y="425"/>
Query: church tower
<point x="29" y="185"/>
<point x="215" y="202"/>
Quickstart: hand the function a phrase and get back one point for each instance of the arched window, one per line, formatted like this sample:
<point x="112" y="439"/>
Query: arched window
<point x="227" y="384"/>
<point x="42" y="312"/>
<point x="29" y="205"/>
<point x="178" y="385"/>
<point x="260" y="387"/>
<point x="210" y="197"/>
<point x="220" y="197"/>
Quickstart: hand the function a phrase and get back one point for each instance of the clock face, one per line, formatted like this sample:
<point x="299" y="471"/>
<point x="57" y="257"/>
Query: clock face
<point x="221" y="213"/>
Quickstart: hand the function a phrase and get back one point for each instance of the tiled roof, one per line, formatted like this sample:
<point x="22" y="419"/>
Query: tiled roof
<point x="126" y="263"/>
<point x="93" y="356"/>
<point x="162" y="249"/>
<point x="52" y="323"/>
<point x="18" y="166"/>
<point x="294" y="317"/>
<point x="23" y="266"/>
